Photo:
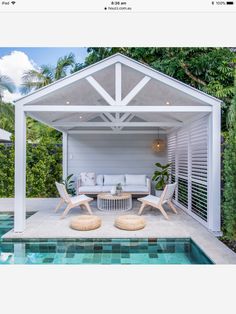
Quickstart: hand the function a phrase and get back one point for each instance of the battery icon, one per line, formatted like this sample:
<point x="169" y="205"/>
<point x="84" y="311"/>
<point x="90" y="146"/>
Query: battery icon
<point x="229" y="2"/>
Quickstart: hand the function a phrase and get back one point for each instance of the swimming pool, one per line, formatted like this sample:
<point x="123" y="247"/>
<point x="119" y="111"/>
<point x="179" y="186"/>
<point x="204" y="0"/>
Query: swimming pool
<point x="98" y="251"/>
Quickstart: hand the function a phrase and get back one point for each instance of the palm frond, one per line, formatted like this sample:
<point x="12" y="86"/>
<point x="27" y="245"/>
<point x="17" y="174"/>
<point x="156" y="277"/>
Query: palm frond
<point x="62" y="65"/>
<point x="6" y="83"/>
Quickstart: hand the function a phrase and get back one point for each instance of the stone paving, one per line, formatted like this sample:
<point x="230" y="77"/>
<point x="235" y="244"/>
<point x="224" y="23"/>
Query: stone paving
<point x="47" y="224"/>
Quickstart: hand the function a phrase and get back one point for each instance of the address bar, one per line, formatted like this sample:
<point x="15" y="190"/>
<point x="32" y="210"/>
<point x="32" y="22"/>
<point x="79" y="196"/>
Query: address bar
<point x="129" y="6"/>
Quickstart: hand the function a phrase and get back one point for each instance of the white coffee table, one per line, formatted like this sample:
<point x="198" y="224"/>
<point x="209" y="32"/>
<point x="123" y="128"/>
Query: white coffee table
<point x="108" y="202"/>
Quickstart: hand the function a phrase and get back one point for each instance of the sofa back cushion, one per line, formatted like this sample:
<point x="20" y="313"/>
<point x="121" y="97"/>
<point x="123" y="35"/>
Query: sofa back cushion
<point x="87" y="178"/>
<point x="99" y="179"/>
<point x="135" y="179"/>
<point x="114" y="179"/>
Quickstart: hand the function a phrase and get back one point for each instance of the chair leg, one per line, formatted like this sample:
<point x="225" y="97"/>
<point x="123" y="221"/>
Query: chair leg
<point x="163" y="212"/>
<point x="172" y="207"/>
<point x="87" y="206"/>
<point x="59" y="205"/>
<point x="141" y="208"/>
<point x="66" y="211"/>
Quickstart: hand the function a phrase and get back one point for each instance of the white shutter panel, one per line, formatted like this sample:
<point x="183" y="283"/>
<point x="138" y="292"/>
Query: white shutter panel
<point x="199" y="171"/>
<point x="182" y="165"/>
<point x="188" y="152"/>
<point x="171" y="144"/>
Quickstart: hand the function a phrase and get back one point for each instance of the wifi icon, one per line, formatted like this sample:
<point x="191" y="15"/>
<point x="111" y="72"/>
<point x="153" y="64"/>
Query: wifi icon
<point x="13" y="2"/>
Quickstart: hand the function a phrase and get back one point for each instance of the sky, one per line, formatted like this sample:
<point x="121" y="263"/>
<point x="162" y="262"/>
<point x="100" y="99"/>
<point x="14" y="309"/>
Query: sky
<point x="15" y="61"/>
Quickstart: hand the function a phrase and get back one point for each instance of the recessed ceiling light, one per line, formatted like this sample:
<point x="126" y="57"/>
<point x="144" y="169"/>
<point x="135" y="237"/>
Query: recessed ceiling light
<point x="67" y="102"/>
<point x="167" y="103"/>
<point x="80" y="117"/>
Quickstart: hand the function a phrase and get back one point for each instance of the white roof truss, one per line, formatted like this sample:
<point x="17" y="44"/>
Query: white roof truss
<point x="119" y="59"/>
<point x="118" y="113"/>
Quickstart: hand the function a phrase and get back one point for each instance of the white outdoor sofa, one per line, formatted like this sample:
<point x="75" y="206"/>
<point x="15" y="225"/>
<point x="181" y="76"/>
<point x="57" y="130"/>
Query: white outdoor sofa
<point x="134" y="184"/>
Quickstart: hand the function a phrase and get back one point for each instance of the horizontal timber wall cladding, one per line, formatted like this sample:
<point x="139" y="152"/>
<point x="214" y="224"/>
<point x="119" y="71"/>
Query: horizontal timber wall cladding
<point x="113" y="153"/>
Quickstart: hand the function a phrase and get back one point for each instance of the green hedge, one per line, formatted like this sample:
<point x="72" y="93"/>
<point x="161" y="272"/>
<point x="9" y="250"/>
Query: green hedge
<point x="229" y="200"/>
<point x="44" y="167"/>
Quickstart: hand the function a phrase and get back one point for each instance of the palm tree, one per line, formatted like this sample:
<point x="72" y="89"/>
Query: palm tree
<point x="63" y="64"/>
<point x="34" y="79"/>
<point x="6" y="110"/>
<point x="6" y="84"/>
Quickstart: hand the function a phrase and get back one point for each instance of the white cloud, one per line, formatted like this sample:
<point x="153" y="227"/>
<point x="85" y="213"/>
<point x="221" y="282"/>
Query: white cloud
<point x="14" y="65"/>
<point x="10" y="97"/>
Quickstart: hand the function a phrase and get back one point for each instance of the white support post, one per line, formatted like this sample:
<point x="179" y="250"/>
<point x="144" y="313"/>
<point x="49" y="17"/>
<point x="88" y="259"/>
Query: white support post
<point x="20" y="169"/>
<point x="65" y="155"/>
<point x="214" y="174"/>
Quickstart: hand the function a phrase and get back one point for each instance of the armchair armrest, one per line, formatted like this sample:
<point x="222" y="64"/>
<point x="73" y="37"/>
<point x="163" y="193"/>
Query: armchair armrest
<point x="149" y="184"/>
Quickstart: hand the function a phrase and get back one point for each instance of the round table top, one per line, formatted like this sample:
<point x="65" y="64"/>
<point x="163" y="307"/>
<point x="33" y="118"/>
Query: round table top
<point x="109" y="196"/>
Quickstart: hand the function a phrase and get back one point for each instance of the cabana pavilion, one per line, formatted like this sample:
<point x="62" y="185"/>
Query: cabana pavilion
<point x="109" y="114"/>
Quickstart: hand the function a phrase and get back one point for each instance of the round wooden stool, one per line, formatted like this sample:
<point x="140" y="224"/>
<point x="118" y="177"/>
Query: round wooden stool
<point x="86" y="223"/>
<point x="130" y="222"/>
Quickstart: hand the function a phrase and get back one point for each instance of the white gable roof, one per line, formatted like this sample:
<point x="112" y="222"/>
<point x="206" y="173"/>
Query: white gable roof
<point x="159" y="87"/>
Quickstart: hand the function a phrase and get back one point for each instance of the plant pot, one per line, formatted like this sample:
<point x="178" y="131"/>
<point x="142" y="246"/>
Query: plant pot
<point x="158" y="192"/>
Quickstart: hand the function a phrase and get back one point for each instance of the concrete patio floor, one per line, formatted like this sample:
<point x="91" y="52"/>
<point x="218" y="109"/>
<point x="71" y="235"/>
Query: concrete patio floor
<point x="47" y="224"/>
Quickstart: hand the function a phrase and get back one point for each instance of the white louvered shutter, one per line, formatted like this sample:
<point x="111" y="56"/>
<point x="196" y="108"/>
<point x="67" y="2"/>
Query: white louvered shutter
<point x="199" y="173"/>
<point x="182" y="166"/>
<point x="188" y="152"/>
<point x="171" y="144"/>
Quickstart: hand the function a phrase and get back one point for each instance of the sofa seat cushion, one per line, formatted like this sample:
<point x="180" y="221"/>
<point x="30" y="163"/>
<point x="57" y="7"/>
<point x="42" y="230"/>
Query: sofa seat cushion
<point x="135" y="179"/>
<point x="136" y="188"/>
<point x="107" y="188"/>
<point x="90" y="188"/>
<point x="114" y="179"/>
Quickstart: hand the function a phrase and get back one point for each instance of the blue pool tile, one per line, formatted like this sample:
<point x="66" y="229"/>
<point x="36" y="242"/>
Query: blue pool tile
<point x="97" y="251"/>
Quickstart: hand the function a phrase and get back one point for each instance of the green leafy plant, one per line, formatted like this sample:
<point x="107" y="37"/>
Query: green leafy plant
<point x="70" y="185"/>
<point x="229" y="174"/>
<point x="161" y="176"/>
<point x="119" y="187"/>
<point x="44" y="167"/>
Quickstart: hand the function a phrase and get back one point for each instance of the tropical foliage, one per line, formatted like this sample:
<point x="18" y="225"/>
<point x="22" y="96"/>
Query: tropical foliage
<point x="70" y="185"/>
<point x="229" y="173"/>
<point x="44" y="167"/>
<point x="6" y="84"/>
<point x="7" y="116"/>
<point x="47" y="74"/>
<point x="161" y="176"/>
<point x="6" y="110"/>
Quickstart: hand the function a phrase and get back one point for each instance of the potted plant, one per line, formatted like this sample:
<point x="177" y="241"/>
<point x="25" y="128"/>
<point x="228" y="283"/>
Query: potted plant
<point x="161" y="177"/>
<point x="119" y="188"/>
<point x="70" y="185"/>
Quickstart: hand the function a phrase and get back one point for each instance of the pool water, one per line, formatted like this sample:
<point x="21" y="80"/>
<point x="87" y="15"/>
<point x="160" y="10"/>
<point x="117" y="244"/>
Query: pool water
<point x="98" y="251"/>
